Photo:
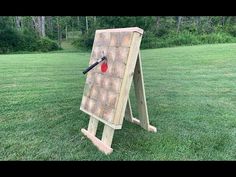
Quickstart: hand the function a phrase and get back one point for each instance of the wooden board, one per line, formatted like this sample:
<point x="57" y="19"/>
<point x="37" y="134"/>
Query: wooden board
<point x="106" y="94"/>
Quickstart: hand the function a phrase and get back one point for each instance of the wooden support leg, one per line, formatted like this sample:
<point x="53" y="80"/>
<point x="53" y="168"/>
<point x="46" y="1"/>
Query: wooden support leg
<point x="103" y="145"/>
<point x="92" y="126"/>
<point x="107" y="135"/>
<point x="128" y="112"/>
<point x="141" y="98"/>
<point x="129" y="117"/>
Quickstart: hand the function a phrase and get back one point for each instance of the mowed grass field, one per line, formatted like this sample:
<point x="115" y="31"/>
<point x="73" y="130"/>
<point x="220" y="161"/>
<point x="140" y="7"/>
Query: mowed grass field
<point x="191" y="97"/>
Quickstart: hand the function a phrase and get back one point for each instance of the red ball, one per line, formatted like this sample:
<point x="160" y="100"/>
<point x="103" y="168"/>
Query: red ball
<point x="104" y="67"/>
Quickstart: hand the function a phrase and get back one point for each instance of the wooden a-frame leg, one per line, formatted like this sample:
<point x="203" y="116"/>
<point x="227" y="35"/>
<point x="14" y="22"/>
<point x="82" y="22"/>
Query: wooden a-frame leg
<point x="143" y="120"/>
<point x="129" y="114"/>
<point x="107" y="135"/>
<point x="103" y="145"/>
<point x="92" y="126"/>
<point x="128" y="111"/>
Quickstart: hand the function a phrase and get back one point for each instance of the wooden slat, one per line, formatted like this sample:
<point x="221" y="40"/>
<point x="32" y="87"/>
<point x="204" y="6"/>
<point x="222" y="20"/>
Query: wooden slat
<point x="127" y="80"/>
<point x="128" y="111"/>
<point x="107" y="135"/>
<point x="131" y="29"/>
<point x="129" y="117"/>
<point x="140" y="94"/>
<point x="150" y="127"/>
<point x="93" y="125"/>
<point x="102" y="120"/>
<point x="97" y="142"/>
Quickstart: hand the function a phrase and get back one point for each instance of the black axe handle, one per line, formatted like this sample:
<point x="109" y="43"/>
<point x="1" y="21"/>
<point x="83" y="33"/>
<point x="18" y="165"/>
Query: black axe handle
<point x="94" y="64"/>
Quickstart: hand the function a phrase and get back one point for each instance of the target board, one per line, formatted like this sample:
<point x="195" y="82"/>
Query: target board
<point x="114" y="63"/>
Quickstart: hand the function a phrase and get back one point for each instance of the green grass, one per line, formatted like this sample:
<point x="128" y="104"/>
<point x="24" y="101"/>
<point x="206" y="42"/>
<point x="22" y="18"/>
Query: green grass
<point x="191" y="99"/>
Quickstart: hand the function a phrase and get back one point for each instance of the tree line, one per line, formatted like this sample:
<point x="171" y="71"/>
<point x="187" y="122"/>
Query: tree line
<point x="160" y="31"/>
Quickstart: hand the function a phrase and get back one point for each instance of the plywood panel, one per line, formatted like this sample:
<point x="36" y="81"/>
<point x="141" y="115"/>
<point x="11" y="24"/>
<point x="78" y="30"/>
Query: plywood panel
<point x="103" y="91"/>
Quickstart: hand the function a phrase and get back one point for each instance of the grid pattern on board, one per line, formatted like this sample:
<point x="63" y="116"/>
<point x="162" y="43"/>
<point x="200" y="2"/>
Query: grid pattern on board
<point x="102" y="90"/>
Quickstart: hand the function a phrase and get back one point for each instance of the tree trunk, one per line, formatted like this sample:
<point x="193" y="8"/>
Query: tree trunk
<point x="59" y="32"/>
<point x="50" y="26"/>
<point x="95" y="19"/>
<point x="18" y="22"/>
<point x="158" y="18"/>
<point x="179" y="19"/>
<point x="33" y="22"/>
<point x="223" y="20"/>
<point x="43" y="26"/>
<point x="226" y="18"/>
<point x="66" y="33"/>
<point x="78" y="21"/>
<point x="39" y="25"/>
<point x="209" y="20"/>
<point x="86" y="20"/>
<point x="196" y="22"/>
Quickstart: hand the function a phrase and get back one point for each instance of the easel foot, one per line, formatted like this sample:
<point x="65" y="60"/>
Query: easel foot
<point x="150" y="127"/>
<point x="97" y="142"/>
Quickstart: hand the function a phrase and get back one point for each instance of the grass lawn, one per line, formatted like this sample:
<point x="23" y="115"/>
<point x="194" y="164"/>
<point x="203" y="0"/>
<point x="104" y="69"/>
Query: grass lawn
<point x="191" y="97"/>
